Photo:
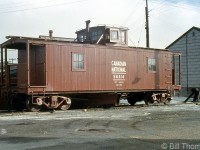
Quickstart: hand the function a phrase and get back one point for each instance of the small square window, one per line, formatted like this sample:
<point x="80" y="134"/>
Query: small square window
<point x="78" y="62"/>
<point x="114" y="35"/>
<point x="152" y="64"/>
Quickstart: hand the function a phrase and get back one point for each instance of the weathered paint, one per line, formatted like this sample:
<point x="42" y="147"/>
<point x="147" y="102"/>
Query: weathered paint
<point x="106" y="68"/>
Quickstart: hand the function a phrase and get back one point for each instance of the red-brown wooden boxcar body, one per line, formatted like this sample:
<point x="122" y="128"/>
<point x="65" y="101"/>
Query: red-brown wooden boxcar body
<point x="53" y="72"/>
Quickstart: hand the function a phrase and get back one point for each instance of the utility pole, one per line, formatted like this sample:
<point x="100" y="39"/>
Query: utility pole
<point x="147" y="24"/>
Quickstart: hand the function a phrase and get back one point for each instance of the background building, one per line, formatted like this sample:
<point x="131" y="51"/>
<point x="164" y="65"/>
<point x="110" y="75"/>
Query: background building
<point x="189" y="45"/>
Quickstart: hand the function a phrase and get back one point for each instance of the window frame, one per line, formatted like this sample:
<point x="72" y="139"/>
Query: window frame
<point x="94" y="35"/>
<point x="78" y="61"/>
<point x="152" y="66"/>
<point x="118" y="36"/>
<point x="81" y="37"/>
<point x="123" y="37"/>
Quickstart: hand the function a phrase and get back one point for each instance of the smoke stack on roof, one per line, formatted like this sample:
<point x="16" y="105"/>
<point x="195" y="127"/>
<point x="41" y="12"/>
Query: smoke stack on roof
<point x="87" y="30"/>
<point x="87" y="25"/>
<point x="50" y="33"/>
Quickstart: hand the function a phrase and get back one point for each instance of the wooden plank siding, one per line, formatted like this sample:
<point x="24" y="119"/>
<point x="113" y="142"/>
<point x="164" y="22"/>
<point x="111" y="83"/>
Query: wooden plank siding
<point x="189" y="45"/>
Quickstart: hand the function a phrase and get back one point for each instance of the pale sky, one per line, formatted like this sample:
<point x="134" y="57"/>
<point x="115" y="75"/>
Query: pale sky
<point x="168" y="19"/>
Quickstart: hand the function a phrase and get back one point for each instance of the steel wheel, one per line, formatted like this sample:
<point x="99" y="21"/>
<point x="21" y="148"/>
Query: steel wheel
<point x="32" y="107"/>
<point x="66" y="104"/>
<point x="148" y="99"/>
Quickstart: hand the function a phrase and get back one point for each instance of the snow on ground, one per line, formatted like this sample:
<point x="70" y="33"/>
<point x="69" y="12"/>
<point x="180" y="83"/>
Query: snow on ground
<point x="123" y="113"/>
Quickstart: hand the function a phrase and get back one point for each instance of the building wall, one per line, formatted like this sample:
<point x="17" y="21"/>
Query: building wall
<point x="189" y="45"/>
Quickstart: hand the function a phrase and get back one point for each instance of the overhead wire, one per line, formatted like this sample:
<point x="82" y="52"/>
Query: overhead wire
<point x="160" y="5"/>
<point x="137" y="25"/>
<point x="170" y="6"/>
<point x="142" y="28"/>
<point x="159" y="8"/>
<point x="166" y="9"/>
<point x="15" y="5"/>
<point x="170" y="25"/>
<point x="40" y="7"/>
<point x="178" y="4"/>
<point x="131" y="13"/>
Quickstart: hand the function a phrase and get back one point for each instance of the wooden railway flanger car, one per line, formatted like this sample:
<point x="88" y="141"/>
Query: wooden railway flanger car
<point x="98" y="68"/>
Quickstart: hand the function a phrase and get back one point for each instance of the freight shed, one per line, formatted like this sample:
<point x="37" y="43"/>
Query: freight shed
<point x="56" y="73"/>
<point x="189" y="45"/>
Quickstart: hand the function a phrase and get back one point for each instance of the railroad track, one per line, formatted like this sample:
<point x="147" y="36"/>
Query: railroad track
<point x="121" y="106"/>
